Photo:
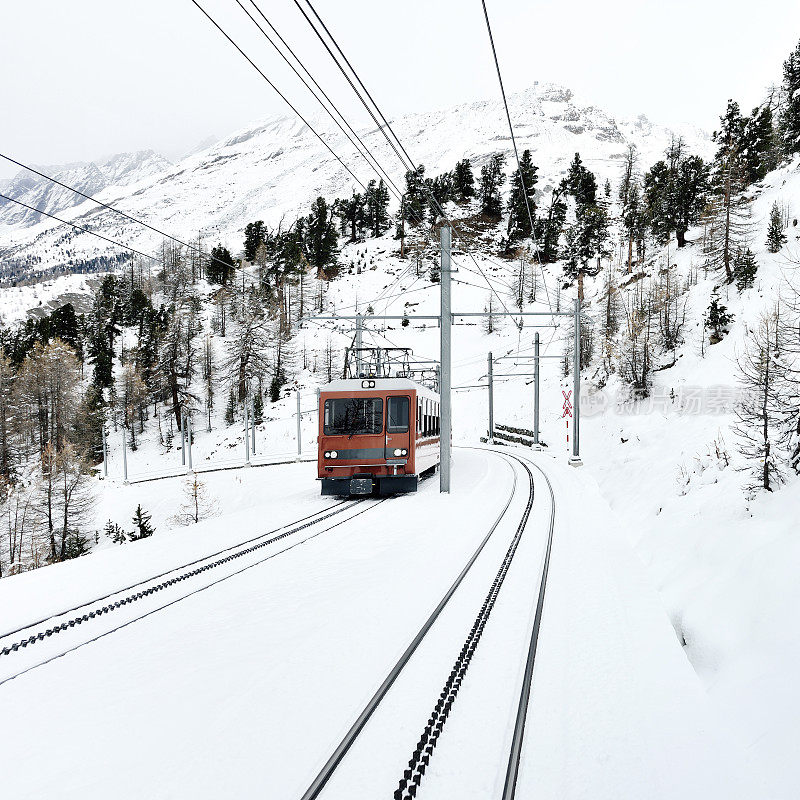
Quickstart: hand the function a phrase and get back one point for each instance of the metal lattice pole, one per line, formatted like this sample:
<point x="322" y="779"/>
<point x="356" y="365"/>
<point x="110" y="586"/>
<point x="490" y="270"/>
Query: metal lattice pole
<point x="444" y="388"/>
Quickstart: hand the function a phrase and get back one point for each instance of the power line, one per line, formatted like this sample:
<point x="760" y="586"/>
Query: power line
<point x="435" y="203"/>
<point x="516" y="151"/>
<point x="368" y="156"/>
<point x="279" y="93"/>
<point x="81" y="228"/>
<point x="106" y="206"/>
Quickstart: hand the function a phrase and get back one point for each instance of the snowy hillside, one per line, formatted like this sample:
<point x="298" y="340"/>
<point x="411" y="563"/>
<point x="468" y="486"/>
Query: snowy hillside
<point x="663" y="473"/>
<point x="275" y="169"/>
<point x="123" y="169"/>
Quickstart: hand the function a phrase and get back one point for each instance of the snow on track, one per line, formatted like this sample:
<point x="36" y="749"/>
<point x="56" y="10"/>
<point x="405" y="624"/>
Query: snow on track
<point x="238" y="691"/>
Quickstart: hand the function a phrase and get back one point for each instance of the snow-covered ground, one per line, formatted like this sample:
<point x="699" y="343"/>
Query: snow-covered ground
<point x="245" y="688"/>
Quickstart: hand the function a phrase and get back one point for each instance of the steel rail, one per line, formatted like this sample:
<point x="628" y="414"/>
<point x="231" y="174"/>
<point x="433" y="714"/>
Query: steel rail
<point x="189" y="594"/>
<point x="322" y="777"/>
<point x="423" y="752"/>
<point x="321" y="515"/>
<point x="515" y="756"/>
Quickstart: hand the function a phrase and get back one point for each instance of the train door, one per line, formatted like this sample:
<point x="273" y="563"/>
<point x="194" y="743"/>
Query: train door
<point x="398" y="443"/>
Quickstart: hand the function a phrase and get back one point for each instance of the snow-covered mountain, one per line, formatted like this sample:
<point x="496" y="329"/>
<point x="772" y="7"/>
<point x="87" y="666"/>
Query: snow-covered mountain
<point x="122" y="169"/>
<point x="274" y="169"/>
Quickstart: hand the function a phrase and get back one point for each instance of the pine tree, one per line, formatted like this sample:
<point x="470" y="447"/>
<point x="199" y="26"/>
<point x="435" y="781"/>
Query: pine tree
<point x="492" y="178"/>
<point x="581" y="183"/>
<point x="776" y="238"/>
<point x="759" y="151"/>
<point x="744" y="268"/>
<point x="790" y="118"/>
<point x="717" y="319"/>
<point x="415" y="197"/>
<point x="463" y="181"/>
<point x="258" y="408"/>
<point x="320" y="240"/>
<point x="675" y="193"/>
<point x="115" y="533"/>
<point x="254" y="236"/>
<point x="550" y="227"/>
<point x="377" y="208"/>
<point x="519" y="226"/>
<point x="196" y="503"/>
<point x="142" y="523"/>
<point x="230" y="409"/>
<point x="221" y="267"/>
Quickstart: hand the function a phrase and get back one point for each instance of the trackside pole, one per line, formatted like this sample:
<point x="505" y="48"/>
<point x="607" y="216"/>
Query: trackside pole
<point x="124" y="456"/>
<point x="358" y="344"/>
<point x="536" y="444"/>
<point x="445" y="433"/>
<point x="575" y="461"/>
<point x="189" y="440"/>
<point x="299" y="438"/>
<point x="183" y="438"/>
<point x="491" y="400"/>
<point x="105" y="452"/>
<point x="246" y="436"/>
<point x="253" y="425"/>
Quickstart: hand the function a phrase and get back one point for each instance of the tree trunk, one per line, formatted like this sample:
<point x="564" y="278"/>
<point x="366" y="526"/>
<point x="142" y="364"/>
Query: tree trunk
<point x="681" y="236"/>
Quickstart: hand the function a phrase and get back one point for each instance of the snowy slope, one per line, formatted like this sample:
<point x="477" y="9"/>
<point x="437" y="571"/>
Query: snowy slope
<point x="123" y="169"/>
<point x="275" y="169"/>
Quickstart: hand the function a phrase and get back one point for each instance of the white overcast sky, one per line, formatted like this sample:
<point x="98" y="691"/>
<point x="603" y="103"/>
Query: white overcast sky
<point x="87" y="78"/>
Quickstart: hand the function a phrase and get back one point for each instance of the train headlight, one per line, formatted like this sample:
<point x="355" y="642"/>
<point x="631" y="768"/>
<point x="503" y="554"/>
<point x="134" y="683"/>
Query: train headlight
<point x="333" y="454"/>
<point x="367" y="384"/>
<point x="398" y="452"/>
<point x="404" y="452"/>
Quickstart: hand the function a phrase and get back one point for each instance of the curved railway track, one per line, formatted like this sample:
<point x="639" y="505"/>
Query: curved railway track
<point x="413" y="773"/>
<point x="90" y="610"/>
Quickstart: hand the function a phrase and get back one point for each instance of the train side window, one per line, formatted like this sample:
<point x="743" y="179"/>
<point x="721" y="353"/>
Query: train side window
<point x="438" y="430"/>
<point x="397" y="415"/>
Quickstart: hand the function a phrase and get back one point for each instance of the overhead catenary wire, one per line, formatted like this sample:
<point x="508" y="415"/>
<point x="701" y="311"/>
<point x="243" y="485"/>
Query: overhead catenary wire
<point x="385" y="126"/>
<point x="367" y="155"/>
<point x="107" y="207"/>
<point x="81" y="228"/>
<point x="516" y="151"/>
<point x="280" y="94"/>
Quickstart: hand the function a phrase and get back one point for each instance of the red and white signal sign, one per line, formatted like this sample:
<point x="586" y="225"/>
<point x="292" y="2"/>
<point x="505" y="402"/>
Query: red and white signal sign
<point x="567" y="407"/>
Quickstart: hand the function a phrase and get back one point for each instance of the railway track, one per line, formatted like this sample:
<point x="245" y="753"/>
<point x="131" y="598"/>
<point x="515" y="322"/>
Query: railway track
<point x="413" y="774"/>
<point x="85" y="614"/>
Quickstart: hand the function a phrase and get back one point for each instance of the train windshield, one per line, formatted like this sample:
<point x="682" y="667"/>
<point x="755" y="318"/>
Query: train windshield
<point x="348" y="416"/>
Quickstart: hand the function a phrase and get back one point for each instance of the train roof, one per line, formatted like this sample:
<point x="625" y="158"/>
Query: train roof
<point x="381" y="385"/>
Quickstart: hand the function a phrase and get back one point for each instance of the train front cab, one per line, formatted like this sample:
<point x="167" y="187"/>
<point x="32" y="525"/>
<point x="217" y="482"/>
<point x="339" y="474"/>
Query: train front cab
<point x="368" y="442"/>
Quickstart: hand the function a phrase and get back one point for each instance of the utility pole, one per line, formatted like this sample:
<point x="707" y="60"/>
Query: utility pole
<point x="536" y="444"/>
<point x="402" y="225"/>
<point x="253" y="426"/>
<point x="183" y="438"/>
<point x="444" y="388"/>
<point x="575" y="461"/>
<point x="189" y="440"/>
<point x="124" y="456"/>
<point x="105" y="452"/>
<point x="358" y="344"/>
<point x="246" y="435"/>
<point x="299" y="439"/>
<point x="491" y="400"/>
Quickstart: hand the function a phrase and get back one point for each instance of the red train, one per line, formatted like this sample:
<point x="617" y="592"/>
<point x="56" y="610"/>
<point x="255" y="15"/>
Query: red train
<point x="376" y="435"/>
